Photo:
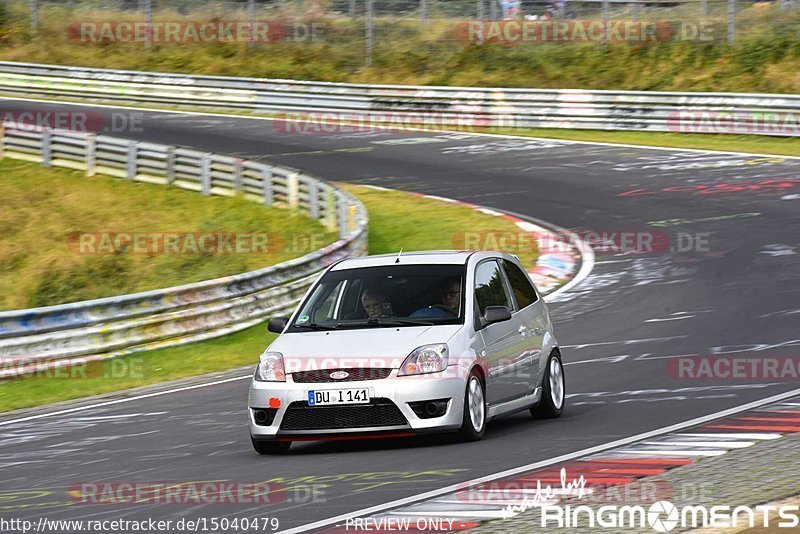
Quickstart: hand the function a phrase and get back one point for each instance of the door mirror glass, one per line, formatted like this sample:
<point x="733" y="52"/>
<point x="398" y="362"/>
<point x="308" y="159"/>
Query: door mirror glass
<point x="496" y="314"/>
<point x="277" y="324"/>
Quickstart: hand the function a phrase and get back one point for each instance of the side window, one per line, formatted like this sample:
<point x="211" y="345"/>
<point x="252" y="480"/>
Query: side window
<point x="521" y="284"/>
<point x="490" y="289"/>
<point x="326" y="310"/>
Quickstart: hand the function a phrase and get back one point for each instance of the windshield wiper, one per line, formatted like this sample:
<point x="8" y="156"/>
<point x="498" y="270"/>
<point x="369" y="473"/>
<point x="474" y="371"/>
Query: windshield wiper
<point x="315" y="326"/>
<point x="387" y="322"/>
<point x="384" y="322"/>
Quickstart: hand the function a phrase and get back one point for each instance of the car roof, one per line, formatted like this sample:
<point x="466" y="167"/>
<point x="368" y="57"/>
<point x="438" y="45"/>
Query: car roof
<point x="421" y="257"/>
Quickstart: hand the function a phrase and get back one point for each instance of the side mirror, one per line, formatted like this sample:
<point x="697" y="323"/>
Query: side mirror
<point x="496" y="314"/>
<point x="277" y="324"/>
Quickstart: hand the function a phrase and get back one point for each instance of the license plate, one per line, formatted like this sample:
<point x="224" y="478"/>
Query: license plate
<point x="326" y="397"/>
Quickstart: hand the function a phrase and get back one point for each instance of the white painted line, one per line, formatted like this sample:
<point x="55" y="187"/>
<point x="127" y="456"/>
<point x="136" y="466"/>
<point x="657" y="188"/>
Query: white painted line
<point x="120" y="401"/>
<point x="765" y="436"/>
<point x="669" y="319"/>
<point x="477" y="514"/>
<point x="443" y="199"/>
<point x="711" y="444"/>
<point x="542" y="463"/>
<point x="402" y="128"/>
<point x="666" y="452"/>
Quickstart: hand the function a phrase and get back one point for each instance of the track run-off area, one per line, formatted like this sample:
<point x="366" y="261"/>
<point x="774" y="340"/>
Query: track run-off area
<point x="724" y="284"/>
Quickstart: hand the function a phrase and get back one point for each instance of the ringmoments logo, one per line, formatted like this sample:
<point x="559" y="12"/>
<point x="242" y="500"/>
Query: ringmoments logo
<point x="664" y="516"/>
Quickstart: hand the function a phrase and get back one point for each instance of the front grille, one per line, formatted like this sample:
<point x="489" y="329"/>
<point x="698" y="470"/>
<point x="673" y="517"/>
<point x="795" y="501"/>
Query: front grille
<point x="324" y="375"/>
<point x="379" y="412"/>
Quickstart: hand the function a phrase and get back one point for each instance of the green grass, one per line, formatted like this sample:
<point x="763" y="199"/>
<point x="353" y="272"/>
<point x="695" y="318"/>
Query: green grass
<point x="138" y="369"/>
<point x="764" y="58"/>
<point x="43" y="213"/>
<point x="785" y="146"/>
<point x="385" y="209"/>
<point x="386" y="234"/>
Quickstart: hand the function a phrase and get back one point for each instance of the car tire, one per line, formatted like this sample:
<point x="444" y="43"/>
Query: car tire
<point x="553" y="398"/>
<point x="473" y="423"/>
<point x="270" y="447"/>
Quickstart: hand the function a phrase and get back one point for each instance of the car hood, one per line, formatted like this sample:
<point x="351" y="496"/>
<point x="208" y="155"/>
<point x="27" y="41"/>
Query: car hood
<point x="368" y="347"/>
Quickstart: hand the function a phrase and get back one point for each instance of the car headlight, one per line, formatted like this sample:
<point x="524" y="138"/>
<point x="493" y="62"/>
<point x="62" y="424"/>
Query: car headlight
<point x="425" y="359"/>
<point x="270" y="367"/>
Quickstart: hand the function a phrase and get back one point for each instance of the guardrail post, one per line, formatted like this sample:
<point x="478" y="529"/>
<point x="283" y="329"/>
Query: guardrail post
<point x="237" y="175"/>
<point x="91" y="154"/>
<point x="205" y="174"/>
<point x="130" y="164"/>
<point x="704" y="7"/>
<point x="368" y="35"/>
<point x="170" y="165"/>
<point x="2" y="140"/>
<point x="47" y="148"/>
<point x="342" y="212"/>
<point x="352" y="210"/>
<point x="330" y="210"/>
<point x="423" y="12"/>
<point x="636" y="10"/>
<point x="293" y="190"/>
<point x="147" y="6"/>
<point x="731" y="21"/>
<point x="479" y="10"/>
<point x="605" y="22"/>
<point x="34" y="5"/>
<point x="493" y="9"/>
<point x="313" y="200"/>
<point x="352" y="8"/>
<point x="251" y="10"/>
<point x="266" y="186"/>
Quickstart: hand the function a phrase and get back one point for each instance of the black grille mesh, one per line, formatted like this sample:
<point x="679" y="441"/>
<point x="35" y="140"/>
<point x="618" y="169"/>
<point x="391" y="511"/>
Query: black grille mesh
<point x="379" y="412"/>
<point x="324" y="375"/>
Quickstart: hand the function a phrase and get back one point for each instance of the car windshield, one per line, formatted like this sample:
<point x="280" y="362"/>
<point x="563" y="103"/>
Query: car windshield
<point x="385" y="296"/>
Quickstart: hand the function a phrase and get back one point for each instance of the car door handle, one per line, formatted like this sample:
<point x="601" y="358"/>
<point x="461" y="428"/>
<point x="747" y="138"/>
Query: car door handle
<point x="522" y="329"/>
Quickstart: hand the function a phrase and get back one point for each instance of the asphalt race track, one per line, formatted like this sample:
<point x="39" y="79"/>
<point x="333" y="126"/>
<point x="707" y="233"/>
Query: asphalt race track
<point x="735" y="293"/>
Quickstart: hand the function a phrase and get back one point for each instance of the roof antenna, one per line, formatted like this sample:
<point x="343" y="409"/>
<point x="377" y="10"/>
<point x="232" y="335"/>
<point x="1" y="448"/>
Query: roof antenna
<point x="398" y="255"/>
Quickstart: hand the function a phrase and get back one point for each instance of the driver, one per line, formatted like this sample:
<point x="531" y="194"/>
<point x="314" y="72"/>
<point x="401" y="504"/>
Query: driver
<point x="449" y="301"/>
<point x="451" y="295"/>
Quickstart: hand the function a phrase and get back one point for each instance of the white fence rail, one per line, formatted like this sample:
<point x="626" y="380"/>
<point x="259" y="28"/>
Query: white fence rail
<point x="466" y="108"/>
<point x="39" y="338"/>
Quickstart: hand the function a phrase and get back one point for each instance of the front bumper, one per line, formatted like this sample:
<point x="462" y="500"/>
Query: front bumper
<point x="398" y="390"/>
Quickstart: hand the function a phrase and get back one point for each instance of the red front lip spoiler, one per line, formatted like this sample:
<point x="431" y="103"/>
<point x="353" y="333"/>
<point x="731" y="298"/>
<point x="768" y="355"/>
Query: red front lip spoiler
<point x="345" y="437"/>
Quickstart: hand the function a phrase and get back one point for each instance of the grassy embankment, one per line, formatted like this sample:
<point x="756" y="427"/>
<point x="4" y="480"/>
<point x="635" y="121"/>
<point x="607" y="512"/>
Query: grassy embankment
<point x="104" y="198"/>
<point x="765" y="58"/>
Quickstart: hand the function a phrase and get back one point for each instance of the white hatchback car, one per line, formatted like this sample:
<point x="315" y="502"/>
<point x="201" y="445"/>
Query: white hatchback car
<point x="396" y="345"/>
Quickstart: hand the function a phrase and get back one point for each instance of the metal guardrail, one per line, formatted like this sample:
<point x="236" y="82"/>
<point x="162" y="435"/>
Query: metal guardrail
<point x="454" y="107"/>
<point x="107" y="327"/>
